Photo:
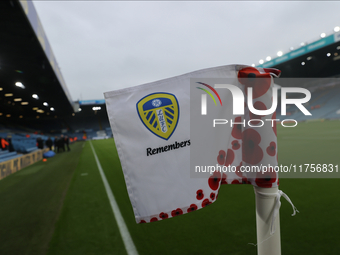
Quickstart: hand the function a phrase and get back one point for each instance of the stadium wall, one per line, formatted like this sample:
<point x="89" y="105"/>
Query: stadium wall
<point x="12" y="166"/>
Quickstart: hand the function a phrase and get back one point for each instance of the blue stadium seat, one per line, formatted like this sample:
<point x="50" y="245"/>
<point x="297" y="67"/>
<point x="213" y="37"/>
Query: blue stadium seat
<point x="8" y="154"/>
<point x="10" y="158"/>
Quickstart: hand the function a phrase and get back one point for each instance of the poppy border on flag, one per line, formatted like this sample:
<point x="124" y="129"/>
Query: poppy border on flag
<point x="147" y="219"/>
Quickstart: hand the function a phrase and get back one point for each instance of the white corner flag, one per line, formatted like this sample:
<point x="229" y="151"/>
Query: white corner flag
<point x="151" y="128"/>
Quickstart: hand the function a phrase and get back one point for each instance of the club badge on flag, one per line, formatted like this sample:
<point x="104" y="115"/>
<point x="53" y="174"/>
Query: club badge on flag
<point x="154" y="135"/>
<point x="159" y="112"/>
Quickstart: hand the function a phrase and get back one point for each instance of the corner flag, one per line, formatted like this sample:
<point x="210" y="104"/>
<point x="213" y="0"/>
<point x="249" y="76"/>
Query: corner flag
<point x="151" y="128"/>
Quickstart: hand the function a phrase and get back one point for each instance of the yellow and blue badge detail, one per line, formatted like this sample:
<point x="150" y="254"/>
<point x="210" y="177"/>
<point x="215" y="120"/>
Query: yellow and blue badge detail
<point x="159" y="112"/>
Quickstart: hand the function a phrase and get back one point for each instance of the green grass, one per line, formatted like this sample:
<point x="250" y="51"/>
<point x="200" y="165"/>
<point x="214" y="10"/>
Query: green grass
<point x="310" y="142"/>
<point x="203" y="232"/>
<point x="315" y="229"/>
<point x="30" y="203"/>
<point x="86" y="224"/>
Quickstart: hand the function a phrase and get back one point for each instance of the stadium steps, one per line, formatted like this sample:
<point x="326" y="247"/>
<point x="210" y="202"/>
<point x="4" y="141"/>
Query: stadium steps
<point x="319" y="113"/>
<point x="10" y="158"/>
<point x="8" y="154"/>
<point x="315" y="100"/>
<point x="333" y="113"/>
<point x="28" y="150"/>
<point x="24" y="147"/>
<point x="329" y="105"/>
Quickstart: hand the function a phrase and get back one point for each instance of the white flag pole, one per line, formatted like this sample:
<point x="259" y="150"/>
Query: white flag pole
<point x="267" y="243"/>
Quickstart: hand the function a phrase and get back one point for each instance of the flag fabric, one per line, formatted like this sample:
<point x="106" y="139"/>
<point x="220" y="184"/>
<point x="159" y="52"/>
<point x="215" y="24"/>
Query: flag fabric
<point x="151" y="129"/>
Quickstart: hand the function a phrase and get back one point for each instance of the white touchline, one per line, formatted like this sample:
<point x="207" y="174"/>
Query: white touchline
<point x="129" y="245"/>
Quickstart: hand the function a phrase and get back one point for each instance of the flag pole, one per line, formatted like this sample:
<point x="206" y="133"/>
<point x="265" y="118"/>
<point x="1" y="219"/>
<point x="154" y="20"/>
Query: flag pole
<point x="267" y="244"/>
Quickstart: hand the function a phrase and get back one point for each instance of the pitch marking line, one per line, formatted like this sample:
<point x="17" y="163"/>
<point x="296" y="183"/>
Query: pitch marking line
<point x="129" y="245"/>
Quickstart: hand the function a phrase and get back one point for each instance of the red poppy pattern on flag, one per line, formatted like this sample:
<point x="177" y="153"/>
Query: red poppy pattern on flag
<point x="247" y="146"/>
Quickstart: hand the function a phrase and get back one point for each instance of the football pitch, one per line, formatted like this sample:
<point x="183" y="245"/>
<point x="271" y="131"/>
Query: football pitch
<point x="61" y="206"/>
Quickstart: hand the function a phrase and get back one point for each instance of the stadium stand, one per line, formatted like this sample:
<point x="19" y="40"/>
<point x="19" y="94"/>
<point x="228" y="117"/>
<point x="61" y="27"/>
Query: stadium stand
<point x="24" y="144"/>
<point x="314" y="61"/>
<point x="324" y="104"/>
<point x="92" y="122"/>
<point x="5" y="156"/>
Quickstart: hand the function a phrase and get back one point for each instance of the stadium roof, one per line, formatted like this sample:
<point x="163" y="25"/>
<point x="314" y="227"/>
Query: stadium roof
<point x="92" y="102"/>
<point x="28" y="67"/>
<point x="317" y="59"/>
